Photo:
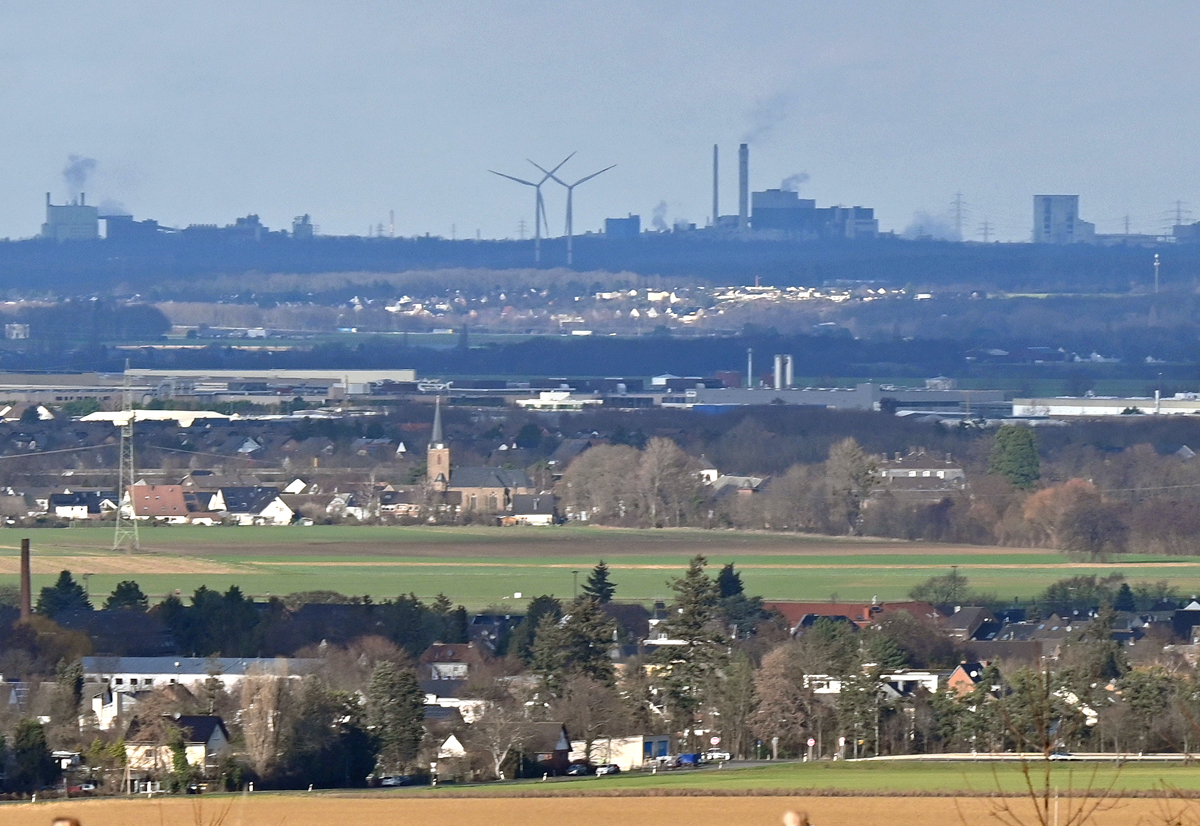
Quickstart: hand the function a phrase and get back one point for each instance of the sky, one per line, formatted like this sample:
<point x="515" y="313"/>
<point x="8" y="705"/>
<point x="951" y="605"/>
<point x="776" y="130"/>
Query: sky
<point x="350" y="110"/>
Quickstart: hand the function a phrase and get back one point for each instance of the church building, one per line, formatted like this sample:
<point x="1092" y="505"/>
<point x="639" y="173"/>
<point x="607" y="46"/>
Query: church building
<point x="486" y="489"/>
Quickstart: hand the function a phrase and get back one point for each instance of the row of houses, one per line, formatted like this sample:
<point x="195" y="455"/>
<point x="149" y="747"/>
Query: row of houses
<point x="257" y="504"/>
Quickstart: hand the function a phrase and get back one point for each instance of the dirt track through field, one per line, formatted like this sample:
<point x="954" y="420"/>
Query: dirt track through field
<point x="406" y="809"/>
<point x="798" y="566"/>
<point x="118" y="563"/>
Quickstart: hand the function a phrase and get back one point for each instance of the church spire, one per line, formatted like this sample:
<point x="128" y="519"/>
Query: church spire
<point x="436" y="439"/>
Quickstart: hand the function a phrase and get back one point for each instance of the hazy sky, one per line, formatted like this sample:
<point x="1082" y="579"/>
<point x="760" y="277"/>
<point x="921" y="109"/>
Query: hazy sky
<point x="201" y="112"/>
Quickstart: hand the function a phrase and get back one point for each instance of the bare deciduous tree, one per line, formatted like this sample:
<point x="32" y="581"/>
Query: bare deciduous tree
<point x="261" y="694"/>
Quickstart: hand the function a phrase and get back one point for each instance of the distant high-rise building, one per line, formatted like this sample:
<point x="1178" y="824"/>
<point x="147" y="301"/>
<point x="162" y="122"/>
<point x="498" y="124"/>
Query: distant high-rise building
<point x="616" y="228"/>
<point x="1056" y="221"/>
<point x="71" y="222"/>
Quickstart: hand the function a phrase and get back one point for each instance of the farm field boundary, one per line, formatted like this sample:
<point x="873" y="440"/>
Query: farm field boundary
<point x="481" y="567"/>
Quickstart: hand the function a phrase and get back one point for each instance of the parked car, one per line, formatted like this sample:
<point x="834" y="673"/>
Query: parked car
<point x="608" y="768"/>
<point x="579" y="770"/>
<point x="715" y="755"/>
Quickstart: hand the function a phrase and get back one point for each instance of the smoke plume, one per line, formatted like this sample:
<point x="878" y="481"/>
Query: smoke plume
<point x="765" y="115"/>
<point x="930" y="227"/>
<point x="792" y="183"/>
<point x="109" y="207"/>
<point x="76" y="173"/>
<point x="659" y="219"/>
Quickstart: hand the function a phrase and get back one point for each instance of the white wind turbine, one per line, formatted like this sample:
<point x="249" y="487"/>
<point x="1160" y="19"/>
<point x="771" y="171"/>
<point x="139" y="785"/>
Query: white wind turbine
<point x="539" y="206"/>
<point x="570" y="193"/>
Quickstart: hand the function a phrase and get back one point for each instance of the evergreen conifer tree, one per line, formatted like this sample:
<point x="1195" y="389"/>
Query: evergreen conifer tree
<point x="1015" y="457"/>
<point x="598" y="586"/>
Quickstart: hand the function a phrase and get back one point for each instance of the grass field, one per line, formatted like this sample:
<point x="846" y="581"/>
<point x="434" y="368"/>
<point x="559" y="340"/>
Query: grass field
<point x="889" y="777"/>
<point x="485" y="566"/>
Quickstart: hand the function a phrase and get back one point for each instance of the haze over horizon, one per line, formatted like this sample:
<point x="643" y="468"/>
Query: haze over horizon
<point x="346" y="111"/>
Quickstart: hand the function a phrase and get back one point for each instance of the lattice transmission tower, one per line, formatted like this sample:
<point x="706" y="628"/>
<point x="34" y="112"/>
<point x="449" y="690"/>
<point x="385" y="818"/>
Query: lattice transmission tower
<point x="125" y="537"/>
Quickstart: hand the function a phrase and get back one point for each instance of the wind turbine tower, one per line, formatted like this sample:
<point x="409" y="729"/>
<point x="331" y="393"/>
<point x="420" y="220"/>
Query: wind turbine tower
<point x="570" y="193"/>
<point x="539" y="206"/>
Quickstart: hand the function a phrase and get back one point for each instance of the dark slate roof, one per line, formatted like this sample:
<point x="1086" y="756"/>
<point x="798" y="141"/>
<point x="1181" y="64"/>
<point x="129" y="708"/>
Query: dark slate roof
<point x="444" y="688"/>
<point x="91" y="498"/>
<point x="196" y="728"/>
<point x="441" y="714"/>
<point x="489" y="477"/>
<point x="530" y="504"/>
<point x="248" y="500"/>
<point x="544" y="737"/>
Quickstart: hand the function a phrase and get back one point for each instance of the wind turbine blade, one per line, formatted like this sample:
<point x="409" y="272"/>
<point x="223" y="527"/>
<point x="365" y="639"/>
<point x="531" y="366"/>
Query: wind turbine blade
<point x="511" y="178"/>
<point x="593" y="175"/>
<point x="564" y="160"/>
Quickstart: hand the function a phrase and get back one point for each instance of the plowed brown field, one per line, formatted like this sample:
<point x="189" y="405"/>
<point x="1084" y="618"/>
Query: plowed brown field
<point x="332" y="810"/>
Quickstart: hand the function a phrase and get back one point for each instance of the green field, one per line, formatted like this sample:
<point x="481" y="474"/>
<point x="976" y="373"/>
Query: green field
<point x="484" y="566"/>
<point x="891" y="777"/>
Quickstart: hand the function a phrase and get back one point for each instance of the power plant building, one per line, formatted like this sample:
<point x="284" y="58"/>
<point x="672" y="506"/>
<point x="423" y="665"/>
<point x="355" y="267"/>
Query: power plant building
<point x="1056" y="221"/>
<point x="623" y="228"/>
<point x="785" y="212"/>
<point x="75" y="221"/>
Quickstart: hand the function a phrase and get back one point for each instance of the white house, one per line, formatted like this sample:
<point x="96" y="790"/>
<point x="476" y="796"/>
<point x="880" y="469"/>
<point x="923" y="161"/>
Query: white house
<point x="205" y="741"/>
<point x="252" y="506"/>
<point x="627" y="752"/>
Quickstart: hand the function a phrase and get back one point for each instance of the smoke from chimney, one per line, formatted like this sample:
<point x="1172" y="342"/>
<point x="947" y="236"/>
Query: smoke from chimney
<point x="76" y="174"/>
<point x="792" y="183"/>
<point x="659" y="218"/>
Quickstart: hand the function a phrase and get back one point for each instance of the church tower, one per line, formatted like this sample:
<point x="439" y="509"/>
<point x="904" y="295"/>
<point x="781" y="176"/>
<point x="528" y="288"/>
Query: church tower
<point x="437" y="459"/>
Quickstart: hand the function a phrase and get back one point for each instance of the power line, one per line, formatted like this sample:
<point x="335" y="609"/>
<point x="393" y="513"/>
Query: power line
<point x="960" y="208"/>
<point x="985" y="229"/>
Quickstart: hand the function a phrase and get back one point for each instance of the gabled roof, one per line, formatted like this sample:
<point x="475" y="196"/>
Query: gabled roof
<point x="489" y="477"/>
<point x="547" y="737"/>
<point x="90" y="498"/>
<point x="158" y="500"/>
<point x="196" y="729"/>
<point x="248" y="500"/>
<point x="533" y="504"/>
<point x="456" y="652"/>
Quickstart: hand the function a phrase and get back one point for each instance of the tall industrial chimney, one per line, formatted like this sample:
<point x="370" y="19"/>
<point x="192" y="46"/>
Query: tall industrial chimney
<point x="716" y="201"/>
<point x="778" y="377"/>
<point x="743" y="186"/>
<point x="750" y="367"/>
<point x="789" y="372"/>
<point x="26" y="583"/>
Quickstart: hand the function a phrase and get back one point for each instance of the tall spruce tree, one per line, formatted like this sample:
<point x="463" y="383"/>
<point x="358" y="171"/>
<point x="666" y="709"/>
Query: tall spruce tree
<point x="1015" y="457"/>
<point x="395" y="715"/>
<point x="598" y="586"/>
<point x="691" y="669"/>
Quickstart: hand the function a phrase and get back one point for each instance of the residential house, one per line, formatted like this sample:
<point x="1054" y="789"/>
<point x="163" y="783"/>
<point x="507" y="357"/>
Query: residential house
<point x="205" y="741"/>
<point x="548" y="747"/>
<point x="162" y="503"/>
<point x="800" y="615"/>
<point x="531" y="509"/>
<point x="919" y="476"/>
<point x="629" y="753"/>
<point x="83" y="504"/>
<point x="252" y="506"/>
<point x="970" y="622"/>
<point x="449" y="661"/>
<point x="965" y="677"/>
